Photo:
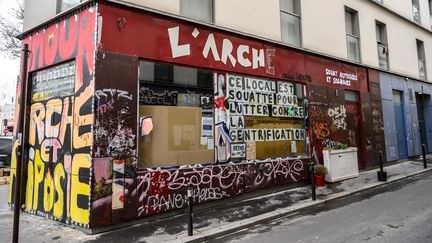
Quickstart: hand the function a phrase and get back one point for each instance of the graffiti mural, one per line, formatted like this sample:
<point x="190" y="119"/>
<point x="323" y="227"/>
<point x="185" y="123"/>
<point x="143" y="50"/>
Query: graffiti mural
<point x="82" y="165"/>
<point x="331" y="120"/>
<point x="338" y="115"/>
<point x="115" y="138"/>
<point x="60" y="122"/>
<point x="162" y="190"/>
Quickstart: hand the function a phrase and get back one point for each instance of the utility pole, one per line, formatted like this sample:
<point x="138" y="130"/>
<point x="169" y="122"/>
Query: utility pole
<point x="21" y="148"/>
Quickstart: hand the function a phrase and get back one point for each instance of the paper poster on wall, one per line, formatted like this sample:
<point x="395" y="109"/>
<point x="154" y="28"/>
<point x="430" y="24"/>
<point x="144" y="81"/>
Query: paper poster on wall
<point x="203" y="141"/>
<point x="117" y="195"/>
<point x="251" y="150"/>
<point x="210" y="143"/>
<point x="118" y="166"/>
<point x="238" y="150"/>
<point x="206" y="126"/>
<point x="261" y="111"/>
<point x="293" y="147"/>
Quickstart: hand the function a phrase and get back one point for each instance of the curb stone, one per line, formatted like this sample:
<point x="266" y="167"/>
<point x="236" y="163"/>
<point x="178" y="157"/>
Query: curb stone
<point x="246" y="223"/>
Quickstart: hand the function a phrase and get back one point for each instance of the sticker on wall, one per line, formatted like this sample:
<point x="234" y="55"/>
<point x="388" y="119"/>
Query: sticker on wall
<point x="238" y="150"/>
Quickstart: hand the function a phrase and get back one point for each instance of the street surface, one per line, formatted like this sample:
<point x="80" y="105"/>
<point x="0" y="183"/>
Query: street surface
<point x="399" y="212"/>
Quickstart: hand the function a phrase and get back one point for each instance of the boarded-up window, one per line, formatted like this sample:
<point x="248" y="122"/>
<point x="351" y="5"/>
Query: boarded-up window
<point x="178" y="100"/>
<point x="263" y="117"/>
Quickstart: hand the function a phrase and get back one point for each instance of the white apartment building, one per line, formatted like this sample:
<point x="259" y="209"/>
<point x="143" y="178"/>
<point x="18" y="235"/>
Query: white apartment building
<point x="391" y="35"/>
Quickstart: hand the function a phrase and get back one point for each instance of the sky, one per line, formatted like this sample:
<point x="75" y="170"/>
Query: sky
<point x="9" y="69"/>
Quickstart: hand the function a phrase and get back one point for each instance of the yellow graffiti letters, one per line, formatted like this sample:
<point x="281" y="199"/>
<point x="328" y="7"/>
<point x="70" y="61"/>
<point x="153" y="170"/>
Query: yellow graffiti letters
<point x="52" y="118"/>
<point x="83" y="119"/>
<point x="39" y="169"/>
<point x="80" y="190"/>
<point x="66" y="119"/>
<point x="37" y="116"/>
<point x="13" y="170"/>
<point x="30" y="185"/>
<point x="50" y="150"/>
<point x="48" y="192"/>
<point x="59" y="175"/>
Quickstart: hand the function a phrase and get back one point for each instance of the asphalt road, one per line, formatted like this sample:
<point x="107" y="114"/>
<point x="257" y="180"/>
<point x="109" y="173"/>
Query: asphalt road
<point x="399" y="212"/>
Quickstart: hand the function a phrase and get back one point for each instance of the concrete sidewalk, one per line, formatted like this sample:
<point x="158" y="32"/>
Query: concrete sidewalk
<point x="289" y="202"/>
<point x="209" y="222"/>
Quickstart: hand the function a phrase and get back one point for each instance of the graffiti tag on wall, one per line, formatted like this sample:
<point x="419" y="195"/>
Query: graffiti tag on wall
<point x="163" y="190"/>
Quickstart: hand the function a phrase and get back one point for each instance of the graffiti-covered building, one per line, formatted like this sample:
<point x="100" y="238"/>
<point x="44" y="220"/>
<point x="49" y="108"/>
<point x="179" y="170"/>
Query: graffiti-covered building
<point x="127" y="106"/>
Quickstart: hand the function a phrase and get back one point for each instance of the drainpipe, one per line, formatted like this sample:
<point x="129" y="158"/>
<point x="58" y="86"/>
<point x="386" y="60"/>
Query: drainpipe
<point x="21" y="148"/>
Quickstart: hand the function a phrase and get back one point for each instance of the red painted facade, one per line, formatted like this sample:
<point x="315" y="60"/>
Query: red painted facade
<point x="107" y="75"/>
<point x="147" y="36"/>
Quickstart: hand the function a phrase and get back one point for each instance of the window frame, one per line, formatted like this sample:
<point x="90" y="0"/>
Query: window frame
<point x="356" y="36"/>
<point x="296" y="15"/>
<point x="430" y="13"/>
<point x="416" y="5"/>
<point x="381" y="32"/>
<point x="59" y="6"/>
<point x="421" y="58"/>
<point x="212" y="12"/>
<point x="178" y="87"/>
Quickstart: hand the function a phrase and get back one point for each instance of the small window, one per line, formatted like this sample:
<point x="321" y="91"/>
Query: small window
<point x="353" y="34"/>
<point x="63" y="5"/>
<point x="197" y="9"/>
<point x="421" y="59"/>
<point x="430" y="12"/>
<point x="382" y="46"/>
<point x="290" y="21"/>
<point x="163" y="73"/>
<point x="351" y="96"/>
<point x="416" y="11"/>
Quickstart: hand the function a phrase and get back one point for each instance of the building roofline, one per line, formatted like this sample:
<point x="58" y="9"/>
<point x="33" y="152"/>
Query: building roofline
<point x="58" y="17"/>
<point x="85" y="4"/>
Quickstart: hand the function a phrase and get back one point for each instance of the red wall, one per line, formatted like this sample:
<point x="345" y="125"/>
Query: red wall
<point x="133" y="34"/>
<point x="146" y="35"/>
